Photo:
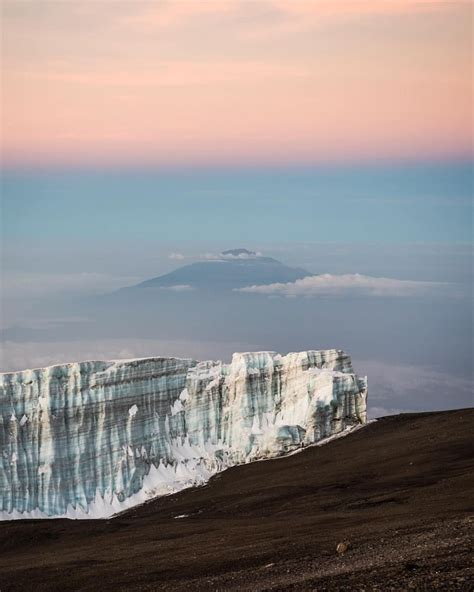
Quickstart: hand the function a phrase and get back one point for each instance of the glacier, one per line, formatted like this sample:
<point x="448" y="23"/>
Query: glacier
<point x="91" y="439"/>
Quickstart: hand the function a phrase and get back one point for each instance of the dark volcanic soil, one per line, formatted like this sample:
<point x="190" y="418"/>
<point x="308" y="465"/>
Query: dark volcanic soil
<point x="400" y="491"/>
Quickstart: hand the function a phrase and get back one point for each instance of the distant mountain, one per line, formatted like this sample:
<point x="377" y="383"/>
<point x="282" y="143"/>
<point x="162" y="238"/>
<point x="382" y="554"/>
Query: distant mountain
<point x="234" y="268"/>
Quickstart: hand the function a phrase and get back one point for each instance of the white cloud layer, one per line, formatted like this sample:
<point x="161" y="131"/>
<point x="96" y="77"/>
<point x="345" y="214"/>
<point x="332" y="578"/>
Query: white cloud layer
<point x="404" y="388"/>
<point x="52" y="284"/>
<point x="177" y="288"/>
<point x="18" y="356"/>
<point x="230" y="256"/>
<point x="347" y="284"/>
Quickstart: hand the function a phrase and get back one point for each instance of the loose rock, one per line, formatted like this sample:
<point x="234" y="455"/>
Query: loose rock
<point x="342" y="547"/>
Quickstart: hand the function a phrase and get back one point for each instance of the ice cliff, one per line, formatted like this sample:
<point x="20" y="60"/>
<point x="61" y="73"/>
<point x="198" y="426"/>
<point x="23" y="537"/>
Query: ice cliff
<point x="90" y="439"/>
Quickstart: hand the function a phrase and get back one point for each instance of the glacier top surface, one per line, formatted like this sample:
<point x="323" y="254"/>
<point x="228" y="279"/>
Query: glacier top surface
<point x="190" y="361"/>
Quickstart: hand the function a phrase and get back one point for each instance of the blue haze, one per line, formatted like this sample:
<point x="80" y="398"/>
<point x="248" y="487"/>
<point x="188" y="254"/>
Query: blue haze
<point x="71" y="236"/>
<point x="411" y="203"/>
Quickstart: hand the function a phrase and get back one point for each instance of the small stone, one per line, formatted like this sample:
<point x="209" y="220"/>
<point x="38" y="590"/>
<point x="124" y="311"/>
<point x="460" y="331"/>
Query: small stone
<point x="342" y="547"/>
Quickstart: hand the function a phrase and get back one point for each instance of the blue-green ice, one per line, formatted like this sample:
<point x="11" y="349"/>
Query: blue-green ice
<point x="90" y="439"/>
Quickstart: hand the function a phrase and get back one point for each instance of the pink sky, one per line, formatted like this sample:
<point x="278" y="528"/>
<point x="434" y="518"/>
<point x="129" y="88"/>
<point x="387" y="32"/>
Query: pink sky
<point x="235" y="82"/>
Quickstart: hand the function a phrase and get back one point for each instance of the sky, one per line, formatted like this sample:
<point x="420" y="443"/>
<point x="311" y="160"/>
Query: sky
<point x="235" y="82"/>
<point x="336" y="136"/>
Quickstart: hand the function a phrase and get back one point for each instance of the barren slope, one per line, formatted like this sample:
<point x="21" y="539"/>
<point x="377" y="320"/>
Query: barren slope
<point x="400" y="490"/>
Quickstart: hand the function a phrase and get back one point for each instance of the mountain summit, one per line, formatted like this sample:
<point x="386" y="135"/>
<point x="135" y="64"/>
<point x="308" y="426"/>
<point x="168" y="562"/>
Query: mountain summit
<point x="234" y="268"/>
<point x="240" y="253"/>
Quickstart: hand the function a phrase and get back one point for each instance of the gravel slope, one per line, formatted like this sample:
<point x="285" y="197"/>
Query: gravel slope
<point x="400" y="491"/>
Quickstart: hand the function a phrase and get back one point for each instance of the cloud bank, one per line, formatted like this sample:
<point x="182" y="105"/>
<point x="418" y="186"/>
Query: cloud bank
<point x="177" y="288"/>
<point x="18" y="356"/>
<point x="347" y="284"/>
<point x="403" y="388"/>
<point x="37" y="284"/>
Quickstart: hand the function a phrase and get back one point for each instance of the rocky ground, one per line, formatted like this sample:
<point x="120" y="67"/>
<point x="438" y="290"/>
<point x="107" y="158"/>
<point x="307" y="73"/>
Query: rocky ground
<point x="398" y="494"/>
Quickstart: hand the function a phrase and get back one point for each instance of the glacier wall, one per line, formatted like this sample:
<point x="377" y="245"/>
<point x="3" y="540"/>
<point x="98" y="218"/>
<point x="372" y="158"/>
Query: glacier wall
<point x="90" y="439"/>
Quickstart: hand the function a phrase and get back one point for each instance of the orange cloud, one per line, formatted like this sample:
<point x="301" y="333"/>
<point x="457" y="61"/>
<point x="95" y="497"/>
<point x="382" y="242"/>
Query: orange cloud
<point x="203" y="92"/>
<point x="170" y="13"/>
<point x="173" y="13"/>
<point x="356" y="7"/>
<point x="173" y="73"/>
